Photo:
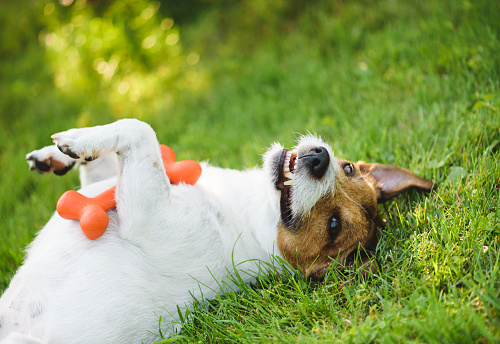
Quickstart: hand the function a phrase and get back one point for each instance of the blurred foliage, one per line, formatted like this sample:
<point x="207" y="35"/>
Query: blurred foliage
<point x="127" y="54"/>
<point x="126" y="51"/>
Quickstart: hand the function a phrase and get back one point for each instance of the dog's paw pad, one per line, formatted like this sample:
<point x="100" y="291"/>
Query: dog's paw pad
<point x="41" y="167"/>
<point x="66" y="150"/>
<point x="69" y="152"/>
<point x="64" y="170"/>
<point x="49" y="159"/>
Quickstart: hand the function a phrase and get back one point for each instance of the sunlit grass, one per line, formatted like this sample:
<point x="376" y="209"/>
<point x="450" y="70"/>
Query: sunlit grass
<point x="411" y="83"/>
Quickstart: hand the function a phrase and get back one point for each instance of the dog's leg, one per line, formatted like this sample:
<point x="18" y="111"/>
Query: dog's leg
<point x="51" y="160"/>
<point x="105" y="167"/>
<point x="143" y="187"/>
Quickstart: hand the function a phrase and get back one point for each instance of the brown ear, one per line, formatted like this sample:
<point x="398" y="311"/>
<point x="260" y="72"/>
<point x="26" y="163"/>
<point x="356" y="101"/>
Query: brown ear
<point x="390" y="181"/>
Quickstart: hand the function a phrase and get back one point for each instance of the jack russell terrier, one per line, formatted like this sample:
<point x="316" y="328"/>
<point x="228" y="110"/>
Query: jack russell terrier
<point x="165" y="243"/>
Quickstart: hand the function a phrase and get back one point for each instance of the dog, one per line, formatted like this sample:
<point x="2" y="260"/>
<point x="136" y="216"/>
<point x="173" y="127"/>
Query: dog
<point x="165" y="243"/>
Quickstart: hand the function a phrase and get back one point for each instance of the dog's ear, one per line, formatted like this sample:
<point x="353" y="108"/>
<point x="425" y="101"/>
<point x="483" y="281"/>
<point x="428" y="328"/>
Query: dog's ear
<point x="390" y="181"/>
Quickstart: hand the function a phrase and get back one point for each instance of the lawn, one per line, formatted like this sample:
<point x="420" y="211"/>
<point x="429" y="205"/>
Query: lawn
<point x="411" y="83"/>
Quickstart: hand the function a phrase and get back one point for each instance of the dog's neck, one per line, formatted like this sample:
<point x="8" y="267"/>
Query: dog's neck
<point x="253" y="200"/>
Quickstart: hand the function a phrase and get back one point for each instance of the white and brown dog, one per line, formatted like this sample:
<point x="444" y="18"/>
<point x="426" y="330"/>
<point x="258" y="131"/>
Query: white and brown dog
<point x="165" y="242"/>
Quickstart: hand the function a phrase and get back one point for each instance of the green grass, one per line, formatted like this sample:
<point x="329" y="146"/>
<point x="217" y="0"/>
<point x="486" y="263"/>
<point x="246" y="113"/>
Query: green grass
<point x="410" y="83"/>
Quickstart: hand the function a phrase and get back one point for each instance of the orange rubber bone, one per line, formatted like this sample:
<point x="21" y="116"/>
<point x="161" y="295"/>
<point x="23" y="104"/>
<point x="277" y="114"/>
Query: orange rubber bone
<point x="184" y="171"/>
<point x="92" y="211"/>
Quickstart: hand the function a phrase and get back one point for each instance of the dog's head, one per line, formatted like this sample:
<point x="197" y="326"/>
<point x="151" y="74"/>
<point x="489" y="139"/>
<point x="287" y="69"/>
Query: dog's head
<point x="329" y="206"/>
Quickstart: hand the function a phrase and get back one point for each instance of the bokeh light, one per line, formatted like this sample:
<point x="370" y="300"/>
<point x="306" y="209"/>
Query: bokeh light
<point x="128" y="51"/>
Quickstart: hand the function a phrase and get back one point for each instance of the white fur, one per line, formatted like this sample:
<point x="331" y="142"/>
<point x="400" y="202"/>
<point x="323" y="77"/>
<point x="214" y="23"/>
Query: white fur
<point x="163" y="243"/>
<point x="307" y="190"/>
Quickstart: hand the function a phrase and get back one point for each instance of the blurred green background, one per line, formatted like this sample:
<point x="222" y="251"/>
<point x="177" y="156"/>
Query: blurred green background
<point x="413" y="83"/>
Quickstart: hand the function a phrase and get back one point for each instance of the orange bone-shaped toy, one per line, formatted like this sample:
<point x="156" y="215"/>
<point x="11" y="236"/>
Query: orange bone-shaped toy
<point x="92" y="211"/>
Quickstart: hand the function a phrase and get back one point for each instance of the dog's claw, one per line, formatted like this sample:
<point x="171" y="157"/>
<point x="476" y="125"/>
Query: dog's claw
<point x="42" y="166"/>
<point x="55" y="138"/>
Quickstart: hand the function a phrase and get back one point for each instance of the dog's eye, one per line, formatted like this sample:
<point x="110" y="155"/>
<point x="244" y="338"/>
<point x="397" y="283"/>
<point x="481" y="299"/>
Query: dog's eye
<point x="348" y="169"/>
<point x="333" y="225"/>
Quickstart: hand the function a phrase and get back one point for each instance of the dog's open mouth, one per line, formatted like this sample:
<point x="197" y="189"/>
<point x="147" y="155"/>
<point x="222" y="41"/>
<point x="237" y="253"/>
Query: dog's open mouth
<point x="286" y="178"/>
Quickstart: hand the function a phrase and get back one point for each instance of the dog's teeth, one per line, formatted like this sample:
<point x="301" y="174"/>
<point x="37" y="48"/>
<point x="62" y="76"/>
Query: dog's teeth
<point x="286" y="165"/>
<point x="289" y="182"/>
<point x="290" y="175"/>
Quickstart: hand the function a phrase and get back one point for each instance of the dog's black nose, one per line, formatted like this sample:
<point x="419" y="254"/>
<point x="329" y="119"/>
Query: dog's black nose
<point x="317" y="160"/>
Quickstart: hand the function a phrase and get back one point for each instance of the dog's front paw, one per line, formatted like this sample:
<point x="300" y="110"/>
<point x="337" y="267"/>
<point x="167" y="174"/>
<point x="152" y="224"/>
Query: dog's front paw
<point x="92" y="142"/>
<point x="78" y="143"/>
<point x="49" y="160"/>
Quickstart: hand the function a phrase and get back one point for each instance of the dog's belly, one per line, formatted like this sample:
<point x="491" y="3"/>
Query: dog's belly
<point x="75" y="290"/>
<point x="103" y="291"/>
<point x="100" y="291"/>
